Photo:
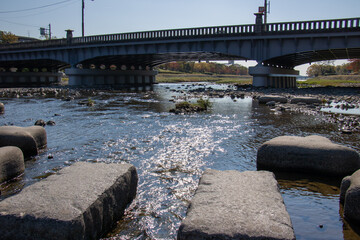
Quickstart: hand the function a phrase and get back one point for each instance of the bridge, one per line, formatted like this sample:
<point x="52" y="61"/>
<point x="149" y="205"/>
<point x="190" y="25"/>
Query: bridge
<point x="127" y="59"/>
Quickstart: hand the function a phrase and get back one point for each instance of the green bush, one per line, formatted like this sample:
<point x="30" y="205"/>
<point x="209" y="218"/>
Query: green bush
<point x="204" y="103"/>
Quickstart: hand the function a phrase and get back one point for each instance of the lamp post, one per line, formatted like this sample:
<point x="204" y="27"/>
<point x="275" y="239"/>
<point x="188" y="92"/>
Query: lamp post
<point x="83" y="8"/>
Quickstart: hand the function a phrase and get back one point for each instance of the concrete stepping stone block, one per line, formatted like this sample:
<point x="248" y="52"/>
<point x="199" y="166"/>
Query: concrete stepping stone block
<point x="2" y="108"/>
<point x="11" y="163"/>
<point x="272" y="98"/>
<point x="350" y="196"/>
<point x="28" y="139"/>
<point x="237" y="205"/>
<point x="307" y="100"/>
<point x="82" y="201"/>
<point x="312" y="154"/>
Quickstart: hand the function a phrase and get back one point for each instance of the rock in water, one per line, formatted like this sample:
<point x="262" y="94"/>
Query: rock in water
<point x="11" y="163"/>
<point x="312" y="154"/>
<point x="82" y="201"/>
<point x="237" y="205"/>
<point x="350" y="196"/>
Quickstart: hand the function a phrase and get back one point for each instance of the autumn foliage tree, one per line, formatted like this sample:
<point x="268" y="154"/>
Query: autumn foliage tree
<point x="202" y="67"/>
<point x="354" y="65"/>
<point x="7" y="37"/>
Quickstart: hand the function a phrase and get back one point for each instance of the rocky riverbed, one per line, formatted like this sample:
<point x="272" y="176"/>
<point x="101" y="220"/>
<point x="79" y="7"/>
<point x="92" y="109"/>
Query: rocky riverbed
<point x="341" y="98"/>
<point x="172" y="150"/>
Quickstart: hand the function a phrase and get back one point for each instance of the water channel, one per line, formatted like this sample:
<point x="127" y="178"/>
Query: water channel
<point x="171" y="151"/>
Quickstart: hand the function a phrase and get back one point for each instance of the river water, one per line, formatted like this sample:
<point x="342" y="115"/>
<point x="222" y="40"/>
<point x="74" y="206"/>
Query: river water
<point x="171" y="151"/>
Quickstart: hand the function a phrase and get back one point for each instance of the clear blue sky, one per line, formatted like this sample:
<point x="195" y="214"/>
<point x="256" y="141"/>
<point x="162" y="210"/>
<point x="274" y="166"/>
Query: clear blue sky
<point x="116" y="16"/>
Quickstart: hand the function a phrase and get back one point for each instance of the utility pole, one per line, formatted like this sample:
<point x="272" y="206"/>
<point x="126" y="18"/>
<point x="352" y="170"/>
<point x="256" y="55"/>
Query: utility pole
<point x="49" y="31"/>
<point x="265" y="11"/>
<point x="83" y="8"/>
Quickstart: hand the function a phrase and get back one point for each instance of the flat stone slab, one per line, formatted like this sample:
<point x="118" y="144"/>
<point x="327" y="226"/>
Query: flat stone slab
<point x="312" y="154"/>
<point x="237" y="205"/>
<point x="307" y="100"/>
<point x="82" y="201"/>
<point x="269" y="98"/>
<point x="350" y="196"/>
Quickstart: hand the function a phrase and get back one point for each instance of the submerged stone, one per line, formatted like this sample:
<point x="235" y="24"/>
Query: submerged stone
<point x="82" y="201"/>
<point x="237" y="205"/>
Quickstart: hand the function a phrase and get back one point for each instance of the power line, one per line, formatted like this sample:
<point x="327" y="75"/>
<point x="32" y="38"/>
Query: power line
<point x="29" y="9"/>
<point x="42" y="12"/>
<point x="27" y="25"/>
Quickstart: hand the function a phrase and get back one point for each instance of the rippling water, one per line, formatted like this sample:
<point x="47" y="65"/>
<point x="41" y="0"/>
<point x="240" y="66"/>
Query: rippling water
<point x="171" y="151"/>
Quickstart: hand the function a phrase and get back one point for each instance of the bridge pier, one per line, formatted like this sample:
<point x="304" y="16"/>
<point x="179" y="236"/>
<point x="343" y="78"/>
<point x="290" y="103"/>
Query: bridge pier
<point x="29" y="79"/>
<point x="264" y="76"/>
<point x="117" y="79"/>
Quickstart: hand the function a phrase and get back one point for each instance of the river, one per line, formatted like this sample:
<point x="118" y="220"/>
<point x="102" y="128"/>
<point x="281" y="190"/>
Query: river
<point x="171" y="151"/>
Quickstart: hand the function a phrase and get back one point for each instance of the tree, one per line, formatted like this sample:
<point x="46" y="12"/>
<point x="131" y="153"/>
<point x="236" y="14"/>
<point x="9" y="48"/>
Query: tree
<point x="7" y="37"/>
<point x="321" y="69"/>
<point x="354" y="65"/>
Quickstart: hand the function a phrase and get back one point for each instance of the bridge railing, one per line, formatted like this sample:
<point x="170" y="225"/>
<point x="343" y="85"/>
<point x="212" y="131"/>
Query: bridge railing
<point x="173" y="33"/>
<point x="236" y="30"/>
<point x="308" y="26"/>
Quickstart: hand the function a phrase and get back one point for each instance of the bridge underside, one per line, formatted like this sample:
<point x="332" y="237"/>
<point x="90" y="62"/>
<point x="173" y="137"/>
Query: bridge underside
<point x="299" y="58"/>
<point x="50" y="64"/>
<point x="152" y="60"/>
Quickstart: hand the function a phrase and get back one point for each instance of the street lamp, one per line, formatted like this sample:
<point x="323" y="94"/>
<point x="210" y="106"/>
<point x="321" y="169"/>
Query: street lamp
<point x="83" y="7"/>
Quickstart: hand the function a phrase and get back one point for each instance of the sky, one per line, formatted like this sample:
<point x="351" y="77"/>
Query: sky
<point x="25" y="17"/>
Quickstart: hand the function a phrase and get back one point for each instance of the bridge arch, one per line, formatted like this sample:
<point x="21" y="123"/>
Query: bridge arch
<point x="277" y="47"/>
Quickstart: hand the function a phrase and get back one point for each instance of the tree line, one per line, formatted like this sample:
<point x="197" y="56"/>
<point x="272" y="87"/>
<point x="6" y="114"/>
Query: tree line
<point x="203" y="67"/>
<point x="7" y="37"/>
<point x="328" y="68"/>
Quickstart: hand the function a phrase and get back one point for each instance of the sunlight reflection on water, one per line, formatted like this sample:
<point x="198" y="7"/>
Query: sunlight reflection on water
<point x="171" y="151"/>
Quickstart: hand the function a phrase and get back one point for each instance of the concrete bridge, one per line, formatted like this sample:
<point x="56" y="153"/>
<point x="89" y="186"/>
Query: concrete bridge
<point x="127" y="59"/>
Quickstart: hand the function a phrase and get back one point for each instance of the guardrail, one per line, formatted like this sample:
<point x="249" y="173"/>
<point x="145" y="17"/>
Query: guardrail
<point x="237" y="30"/>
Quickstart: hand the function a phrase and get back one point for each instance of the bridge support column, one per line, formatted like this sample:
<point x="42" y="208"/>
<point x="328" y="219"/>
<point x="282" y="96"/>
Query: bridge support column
<point x="29" y="79"/>
<point x="116" y="79"/>
<point x="264" y="76"/>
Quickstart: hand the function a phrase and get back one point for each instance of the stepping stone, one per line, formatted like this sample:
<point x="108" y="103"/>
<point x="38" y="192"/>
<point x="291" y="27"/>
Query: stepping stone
<point x="28" y="139"/>
<point x="307" y="100"/>
<point x="269" y="98"/>
<point x="350" y="196"/>
<point x="11" y="163"/>
<point x="2" y="108"/>
<point x="312" y="154"/>
<point x="237" y="205"/>
<point x="82" y="201"/>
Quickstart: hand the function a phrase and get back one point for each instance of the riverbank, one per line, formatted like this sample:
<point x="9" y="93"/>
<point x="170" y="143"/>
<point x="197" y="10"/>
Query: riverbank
<point x="166" y="76"/>
<point x="178" y="77"/>
<point x="335" y="81"/>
